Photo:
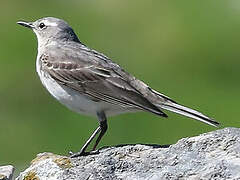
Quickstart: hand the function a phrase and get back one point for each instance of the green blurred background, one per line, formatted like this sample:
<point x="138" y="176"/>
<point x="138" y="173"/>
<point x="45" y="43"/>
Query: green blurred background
<point x="188" y="50"/>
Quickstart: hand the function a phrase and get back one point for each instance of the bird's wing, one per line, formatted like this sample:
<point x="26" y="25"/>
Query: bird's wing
<point x="98" y="82"/>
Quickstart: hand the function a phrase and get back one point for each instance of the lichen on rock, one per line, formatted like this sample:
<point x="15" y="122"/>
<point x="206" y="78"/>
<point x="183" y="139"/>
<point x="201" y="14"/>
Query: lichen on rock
<point x="31" y="175"/>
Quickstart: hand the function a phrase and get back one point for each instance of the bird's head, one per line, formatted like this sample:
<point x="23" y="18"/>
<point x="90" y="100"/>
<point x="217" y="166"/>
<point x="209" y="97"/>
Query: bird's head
<point x="51" y="29"/>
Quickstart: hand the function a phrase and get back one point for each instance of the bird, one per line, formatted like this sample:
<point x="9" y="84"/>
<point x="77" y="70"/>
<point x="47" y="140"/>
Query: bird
<point x="90" y="83"/>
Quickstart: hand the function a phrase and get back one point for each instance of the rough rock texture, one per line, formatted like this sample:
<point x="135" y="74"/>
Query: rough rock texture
<point x="214" y="155"/>
<point x="6" y="172"/>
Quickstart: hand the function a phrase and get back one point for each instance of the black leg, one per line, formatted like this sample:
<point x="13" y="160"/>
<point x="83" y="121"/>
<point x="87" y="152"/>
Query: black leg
<point x="83" y="152"/>
<point x="103" y="126"/>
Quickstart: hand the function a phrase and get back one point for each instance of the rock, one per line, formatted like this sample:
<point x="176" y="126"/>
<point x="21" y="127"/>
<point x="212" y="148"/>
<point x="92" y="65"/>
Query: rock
<point x="213" y="155"/>
<point x="6" y="172"/>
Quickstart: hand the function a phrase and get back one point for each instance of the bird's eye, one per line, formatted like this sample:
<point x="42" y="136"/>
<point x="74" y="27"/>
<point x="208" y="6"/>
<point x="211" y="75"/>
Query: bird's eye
<point x="42" y="25"/>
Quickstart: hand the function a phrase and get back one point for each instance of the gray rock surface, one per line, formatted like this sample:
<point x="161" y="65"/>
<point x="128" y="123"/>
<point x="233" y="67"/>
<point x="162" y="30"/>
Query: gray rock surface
<point x="6" y="172"/>
<point x="213" y="155"/>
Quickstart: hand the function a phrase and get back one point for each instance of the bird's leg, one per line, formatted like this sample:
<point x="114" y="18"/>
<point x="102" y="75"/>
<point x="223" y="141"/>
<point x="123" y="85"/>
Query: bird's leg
<point x="103" y="127"/>
<point x="82" y="152"/>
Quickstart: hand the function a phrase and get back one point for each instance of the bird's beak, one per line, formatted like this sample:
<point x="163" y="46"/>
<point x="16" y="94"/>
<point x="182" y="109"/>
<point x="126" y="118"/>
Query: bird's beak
<point x="26" y="24"/>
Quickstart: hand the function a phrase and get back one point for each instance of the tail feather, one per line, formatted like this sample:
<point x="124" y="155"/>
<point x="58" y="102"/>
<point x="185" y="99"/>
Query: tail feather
<point x="167" y="103"/>
<point x="177" y="108"/>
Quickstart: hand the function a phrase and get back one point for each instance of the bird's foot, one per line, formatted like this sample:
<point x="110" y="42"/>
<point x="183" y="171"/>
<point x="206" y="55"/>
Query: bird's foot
<point x="82" y="153"/>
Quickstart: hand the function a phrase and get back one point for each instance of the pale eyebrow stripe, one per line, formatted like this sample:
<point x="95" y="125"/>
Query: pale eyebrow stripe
<point x="51" y="24"/>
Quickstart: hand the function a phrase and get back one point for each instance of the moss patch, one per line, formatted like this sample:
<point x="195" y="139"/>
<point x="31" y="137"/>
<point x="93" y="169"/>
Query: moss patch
<point x="43" y="156"/>
<point x="31" y="175"/>
<point x="63" y="162"/>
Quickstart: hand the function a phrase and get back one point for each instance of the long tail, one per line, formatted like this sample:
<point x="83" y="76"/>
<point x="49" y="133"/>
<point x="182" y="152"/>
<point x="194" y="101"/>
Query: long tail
<point x="169" y="104"/>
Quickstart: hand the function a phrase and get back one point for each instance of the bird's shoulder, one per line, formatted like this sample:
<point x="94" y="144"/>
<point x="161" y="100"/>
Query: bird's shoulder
<point x="75" y="53"/>
<point x="78" y="57"/>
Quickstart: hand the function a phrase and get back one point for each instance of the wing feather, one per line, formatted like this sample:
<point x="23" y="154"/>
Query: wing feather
<point x="99" y="83"/>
